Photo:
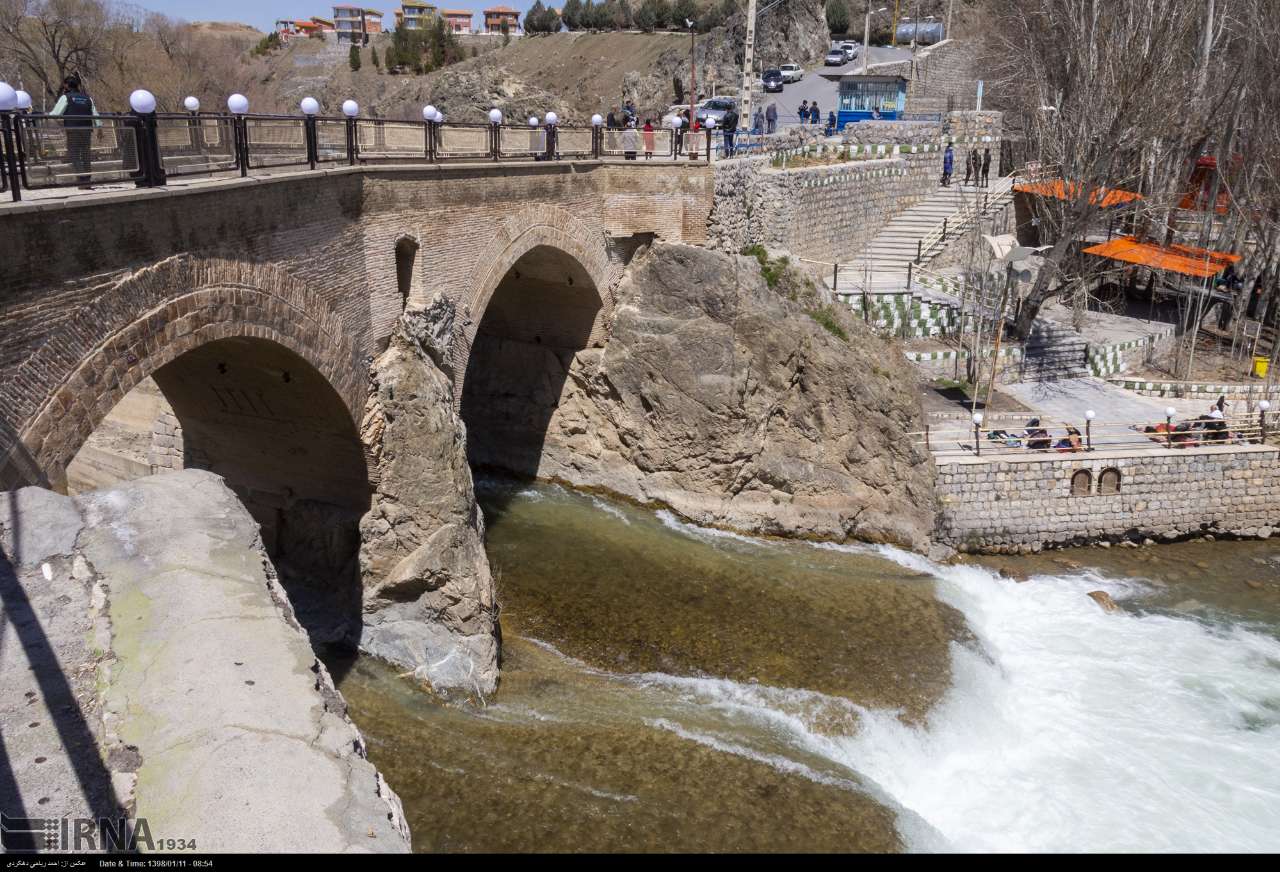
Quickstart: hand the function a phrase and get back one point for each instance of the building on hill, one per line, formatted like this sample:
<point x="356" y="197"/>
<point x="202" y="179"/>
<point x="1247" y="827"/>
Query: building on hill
<point x="457" y="20"/>
<point x="414" y="15"/>
<point x="495" y="16"/>
<point x="355" y="23"/>
<point x="288" y="29"/>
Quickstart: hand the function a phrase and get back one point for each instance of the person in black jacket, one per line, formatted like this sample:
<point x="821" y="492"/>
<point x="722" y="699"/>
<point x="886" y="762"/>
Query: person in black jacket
<point x="730" y="122"/>
<point x="986" y="166"/>
<point x="77" y="108"/>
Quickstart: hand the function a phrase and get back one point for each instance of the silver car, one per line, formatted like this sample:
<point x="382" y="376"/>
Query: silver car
<point x="716" y="108"/>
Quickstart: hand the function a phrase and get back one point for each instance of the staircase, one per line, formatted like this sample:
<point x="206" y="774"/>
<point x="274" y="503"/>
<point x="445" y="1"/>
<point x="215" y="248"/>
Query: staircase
<point x="1053" y="353"/>
<point x="920" y="232"/>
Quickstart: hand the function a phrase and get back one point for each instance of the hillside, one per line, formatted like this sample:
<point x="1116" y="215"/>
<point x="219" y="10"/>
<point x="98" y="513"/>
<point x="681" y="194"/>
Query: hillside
<point x="573" y="73"/>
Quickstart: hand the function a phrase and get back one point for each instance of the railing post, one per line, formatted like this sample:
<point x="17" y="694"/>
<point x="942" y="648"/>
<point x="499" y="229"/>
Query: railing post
<point x="927" y="446"/>
<point x="494" y="134"/>
<point x="313" y="140"/>
<point x="433" y="132"/>
<point x="595" y="141"/>
<point x="910" y="266"/>
<point x="351" y="141"/>
<point x="240" y="136"/>
<point x="148" y="145"/>
<point x="919" y="249"/>
<point x="10" y="155"/>
<point x="944" y="230"/>
<point x="1262" y="420"/>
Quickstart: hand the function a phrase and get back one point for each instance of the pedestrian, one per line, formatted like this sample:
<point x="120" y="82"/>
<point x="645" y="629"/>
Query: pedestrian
<point x="771" y="118"/>
<point x="730" y="121"/>
<point x="986" y="166"/>
<point x="948" y="165"/>
<point x="804" y="112"/>
<point x="77" y="108"/>
<point x="831" y="124"/>
<point x="648" y="138"/>
<point x="757" y="122"/>
<point x="551" y="134"/>
<point x="971" y="166"/>
<point x="630" y="141"/>
<point x="815" y="114"/>
<point x="875" y="113"/>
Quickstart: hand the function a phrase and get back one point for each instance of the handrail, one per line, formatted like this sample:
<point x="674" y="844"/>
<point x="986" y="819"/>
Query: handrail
<point x="962" y="219"/>
<point x="145" y="148"/>
<point x="958" y="440"/>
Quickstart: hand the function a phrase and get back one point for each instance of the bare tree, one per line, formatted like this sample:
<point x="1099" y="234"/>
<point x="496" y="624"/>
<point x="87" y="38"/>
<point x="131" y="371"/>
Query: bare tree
<point x="50" y="39"/>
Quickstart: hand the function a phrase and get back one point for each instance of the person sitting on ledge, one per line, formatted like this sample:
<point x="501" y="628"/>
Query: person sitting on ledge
<point x="1037" y="437"/>
<point x="1071" y="442"/>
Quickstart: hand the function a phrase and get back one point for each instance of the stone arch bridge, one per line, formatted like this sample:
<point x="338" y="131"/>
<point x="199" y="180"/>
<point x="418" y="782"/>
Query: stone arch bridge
<point x="258" y="304"/>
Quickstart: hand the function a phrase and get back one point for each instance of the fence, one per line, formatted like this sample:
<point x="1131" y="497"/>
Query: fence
<point x="956" y="440"/>
<point x="41" y="151"/>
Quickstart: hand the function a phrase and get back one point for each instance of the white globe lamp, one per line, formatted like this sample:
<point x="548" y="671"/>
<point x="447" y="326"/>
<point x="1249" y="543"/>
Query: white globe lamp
<point x="596" y="120"/>
<point x="238" y="104"/>
<point x="24" y="99"/>
<point x="8" y="97"/>
<point x="350" y="108"/>
<point x="495" y="116"/>
<point x="191" y="104"/>
<point x="309" y="106"/>
<point x="533" y="120"/>
<point x="142" y="101"/>
<point x="552" y="118"/>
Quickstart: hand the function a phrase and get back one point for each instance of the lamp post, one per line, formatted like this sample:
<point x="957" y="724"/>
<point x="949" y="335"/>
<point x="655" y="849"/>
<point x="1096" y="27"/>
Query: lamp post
<point x="1169" y="412"/>
<point x="9" y="102"/>
<point x="238" y="105"/>
<point x="310" y="106"/>
<point x="351" y="109"/>
<point x="1088" y="429"/>
<point x="495" y="134"/>
<point x="551" y="119"/>
<point x="977" y="433"/>
<point x="151" y="173"/>
<point x="596" y="123"/>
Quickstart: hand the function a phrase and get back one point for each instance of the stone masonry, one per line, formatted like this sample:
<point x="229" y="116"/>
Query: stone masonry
<point x="1022" y="504"/>
<point x="829" y="213"/>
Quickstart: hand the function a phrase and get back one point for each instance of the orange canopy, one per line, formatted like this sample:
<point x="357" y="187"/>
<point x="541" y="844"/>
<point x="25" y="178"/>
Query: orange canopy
<point x="1061" y="190"/>
<point x="1183" y="259"/>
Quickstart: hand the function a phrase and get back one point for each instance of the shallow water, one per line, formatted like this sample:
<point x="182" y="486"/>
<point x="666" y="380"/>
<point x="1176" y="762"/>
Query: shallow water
<point x="671" y="688"/>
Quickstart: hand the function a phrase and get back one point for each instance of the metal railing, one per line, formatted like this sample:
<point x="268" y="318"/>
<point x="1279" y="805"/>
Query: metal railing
<point x="43" y="151"/>
<point x="959" y="221"/>
<point x="976" y="440"/>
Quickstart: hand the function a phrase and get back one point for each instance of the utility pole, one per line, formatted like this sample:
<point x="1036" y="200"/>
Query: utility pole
<point x="894" y="35"/>
<point x="951" y="6"/>
<point x="693" y="75"/>
<point x="866" y="38"/>
<point x="744" y="111"/>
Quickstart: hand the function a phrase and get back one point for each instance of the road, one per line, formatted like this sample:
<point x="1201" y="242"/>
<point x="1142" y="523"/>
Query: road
<point x="814" y="87"/>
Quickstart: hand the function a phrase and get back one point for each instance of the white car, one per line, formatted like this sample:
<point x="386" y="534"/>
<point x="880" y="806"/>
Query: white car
<point x="851" y="50"/>
<point x="791" y="72"/>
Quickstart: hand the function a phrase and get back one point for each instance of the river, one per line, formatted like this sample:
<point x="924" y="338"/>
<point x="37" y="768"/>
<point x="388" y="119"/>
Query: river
<point x="666" y="688"/>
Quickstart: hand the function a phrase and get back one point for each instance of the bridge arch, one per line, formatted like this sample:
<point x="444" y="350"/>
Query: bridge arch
<point x="544" y="295"/>
<point x="255" y="385"/>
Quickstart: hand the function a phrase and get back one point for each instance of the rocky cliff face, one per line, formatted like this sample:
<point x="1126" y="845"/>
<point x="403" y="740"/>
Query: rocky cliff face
<point x="727" y="400"/>
<point x="428" y="600"/>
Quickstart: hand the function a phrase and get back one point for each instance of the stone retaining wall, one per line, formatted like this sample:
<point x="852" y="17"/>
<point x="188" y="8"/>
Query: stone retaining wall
<point x="940" y="78"/>
<point x="1025" y="503"/>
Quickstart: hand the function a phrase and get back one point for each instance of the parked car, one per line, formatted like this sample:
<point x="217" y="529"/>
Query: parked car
<point x="715" y="108"/>
<point x="835" y="58"/>
<point x="792" y="73"/>
<point x="772" y="80"/>
<point x="851" y="50"/>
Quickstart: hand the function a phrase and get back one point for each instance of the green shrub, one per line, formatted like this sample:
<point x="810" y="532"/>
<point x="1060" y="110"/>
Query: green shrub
<point x="827" y="319"/>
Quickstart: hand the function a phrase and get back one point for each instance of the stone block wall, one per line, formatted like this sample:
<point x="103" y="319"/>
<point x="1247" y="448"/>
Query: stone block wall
<point x="1020" y="504"/>
<point x="825" y="213"/>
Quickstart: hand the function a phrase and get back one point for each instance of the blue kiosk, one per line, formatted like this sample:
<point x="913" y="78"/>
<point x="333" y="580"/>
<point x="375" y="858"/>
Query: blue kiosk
<point x="862" y="96"/>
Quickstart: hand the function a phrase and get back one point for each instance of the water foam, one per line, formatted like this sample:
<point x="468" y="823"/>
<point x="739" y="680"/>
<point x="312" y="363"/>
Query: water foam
<point x="1083" y="730"/>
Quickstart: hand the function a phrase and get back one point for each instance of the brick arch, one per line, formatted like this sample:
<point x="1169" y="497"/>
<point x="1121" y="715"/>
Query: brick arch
<point x="535" y="226"/>
<point x="218" y="302"/>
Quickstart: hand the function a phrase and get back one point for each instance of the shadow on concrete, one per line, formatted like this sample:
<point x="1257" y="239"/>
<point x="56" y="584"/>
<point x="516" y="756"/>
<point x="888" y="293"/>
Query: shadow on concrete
<point x="59" y="697"/>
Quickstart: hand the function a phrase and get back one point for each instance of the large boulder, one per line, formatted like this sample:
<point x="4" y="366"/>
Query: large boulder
<point x="740" y="405"/>
<point x="428" y="600"/>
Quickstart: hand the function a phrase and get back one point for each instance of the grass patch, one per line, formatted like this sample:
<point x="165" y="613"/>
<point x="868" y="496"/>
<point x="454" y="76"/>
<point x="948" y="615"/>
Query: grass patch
<point x="827" y="319"/>
<point x="771" y="268"/>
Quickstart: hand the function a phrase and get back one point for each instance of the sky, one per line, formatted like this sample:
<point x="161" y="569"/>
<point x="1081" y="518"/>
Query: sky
<point x="262" y="14"/>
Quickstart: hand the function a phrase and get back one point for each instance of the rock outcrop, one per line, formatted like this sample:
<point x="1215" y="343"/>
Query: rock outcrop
<point x="732" y="403"/>
<point x="428" y="600"/>
<point x="151" y="665"/>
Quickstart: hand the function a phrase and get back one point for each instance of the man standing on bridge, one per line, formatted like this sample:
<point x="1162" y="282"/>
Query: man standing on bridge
<point x="730" y="122"/>
<point x="771" y="118"/>
<point x="78" y="108"/>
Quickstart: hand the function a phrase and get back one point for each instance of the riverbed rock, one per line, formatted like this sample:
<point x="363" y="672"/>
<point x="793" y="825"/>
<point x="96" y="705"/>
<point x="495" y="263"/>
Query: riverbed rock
<point x="429" y="600"/>
<point x="157" y="670"/>
<point x="728" y="401"/>
<point x="1102" y="598"/>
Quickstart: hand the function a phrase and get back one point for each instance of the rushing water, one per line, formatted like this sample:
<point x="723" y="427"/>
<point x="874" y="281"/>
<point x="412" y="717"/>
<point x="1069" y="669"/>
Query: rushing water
<point x="671" y="688"/>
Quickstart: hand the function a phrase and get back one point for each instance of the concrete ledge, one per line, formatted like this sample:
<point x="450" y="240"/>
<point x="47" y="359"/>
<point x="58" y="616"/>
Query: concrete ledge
<point x="1269" y="451"/>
